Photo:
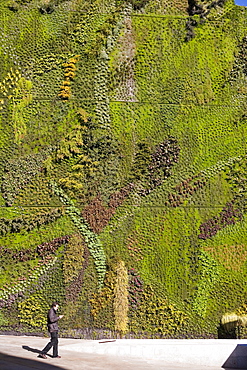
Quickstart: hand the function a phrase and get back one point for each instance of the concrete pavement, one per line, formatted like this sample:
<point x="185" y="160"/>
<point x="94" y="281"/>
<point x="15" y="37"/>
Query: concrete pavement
<point x="20" y="353"/>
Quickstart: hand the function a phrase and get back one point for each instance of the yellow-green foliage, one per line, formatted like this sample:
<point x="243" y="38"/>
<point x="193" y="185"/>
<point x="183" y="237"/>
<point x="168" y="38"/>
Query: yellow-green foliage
<point x="156" y="315"/>
<point x="231" y="320"/>
<point x="33" y="311"/>
<point x="104" y="296"/>
<point x="73" y="258"/>
<point x="69" y="74"/>
<point x="9" y="83"/>
<point x="21" y="98"/>
<point x="72" y="146"/>
<point x="72" y="143"/>
<point x="120" y="303"/>
<point x="17" y="89"/>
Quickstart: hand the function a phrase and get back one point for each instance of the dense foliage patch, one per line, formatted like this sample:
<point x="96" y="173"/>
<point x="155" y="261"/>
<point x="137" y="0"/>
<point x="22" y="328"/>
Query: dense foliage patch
<point x="123" y="167"/>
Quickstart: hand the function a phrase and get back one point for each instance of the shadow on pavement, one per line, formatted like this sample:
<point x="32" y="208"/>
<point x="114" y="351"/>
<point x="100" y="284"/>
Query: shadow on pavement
<point x="237" y="359"/>
<point x="30" y="349"/>
<point x="8" y="362"/>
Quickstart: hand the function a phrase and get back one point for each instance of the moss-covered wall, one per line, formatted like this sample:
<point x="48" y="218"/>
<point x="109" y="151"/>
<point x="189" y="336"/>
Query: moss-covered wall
<point x="123" y="166"/>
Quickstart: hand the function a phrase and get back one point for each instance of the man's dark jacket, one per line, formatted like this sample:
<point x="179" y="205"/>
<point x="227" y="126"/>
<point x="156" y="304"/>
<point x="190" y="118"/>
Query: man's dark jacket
<point x="52" y="320"/>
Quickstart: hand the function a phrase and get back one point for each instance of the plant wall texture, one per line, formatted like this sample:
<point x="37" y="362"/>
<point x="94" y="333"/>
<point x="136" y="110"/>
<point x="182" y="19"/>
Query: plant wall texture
<point x="123" y="166"/>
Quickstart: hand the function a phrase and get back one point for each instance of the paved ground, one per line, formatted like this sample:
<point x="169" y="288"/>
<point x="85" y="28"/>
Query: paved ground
<point x="20" y="353"/>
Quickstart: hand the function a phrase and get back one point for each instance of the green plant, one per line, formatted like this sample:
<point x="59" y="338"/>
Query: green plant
<point x="29" y="222"/>
<point x="3" y="319"/>
<point x="22" y="97"/>
<point x="18" y="173"/>
<point x="147" y="140"/>
<point x="209" y="276"/>
<point x="141" y="162"/>
<point x="120" y="302"/>
<point x="236" y="177"/>
<point x="137" y="4"/>
<point x="199" y="12"/>
<point x="73" y="258"/>
<point x="69" y="74"/>
<point x="15" y="5"/>
<point x="49" y="6"/>
<point x="90" y="238"/>
<point x="11" y="293"/>
<point x="156" y="315"/>
<point x="104" y="296"/>
<point x="32" y="311"/>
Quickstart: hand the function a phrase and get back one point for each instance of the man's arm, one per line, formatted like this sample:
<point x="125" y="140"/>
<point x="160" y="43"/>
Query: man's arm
<point x="52" y="316"/>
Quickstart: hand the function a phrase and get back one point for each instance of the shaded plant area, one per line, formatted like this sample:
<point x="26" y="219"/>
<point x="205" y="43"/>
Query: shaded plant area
<point x="75" y="262"/>
<point x="228" y="216"/>
<point x="137" y="4"/>
<point x="236" y="177"/>
<point x="202" y="10"/>
<point x="162" y="160"/>
<point x="185" y="190"/>
<point x="45" y="6"/>
<point x="43" y="250"/>
<point x="240" y="61"/>
<point x="153" y="168"/>
<point x="48" y="7"/>
<point x="135" y="289"/>
<point x="103" y="149"/>
<point x="29" y="222"/>
<point x="15" y="5"/>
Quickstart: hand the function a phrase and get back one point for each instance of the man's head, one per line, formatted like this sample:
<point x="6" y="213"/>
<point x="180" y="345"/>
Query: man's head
<point x="55" y="306"/>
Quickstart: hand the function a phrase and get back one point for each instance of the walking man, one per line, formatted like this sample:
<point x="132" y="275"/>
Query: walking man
<point x="52" y="324"/>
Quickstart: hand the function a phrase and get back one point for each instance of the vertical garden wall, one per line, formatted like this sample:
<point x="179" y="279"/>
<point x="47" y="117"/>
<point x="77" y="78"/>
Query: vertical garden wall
<point x="123" y="167"/>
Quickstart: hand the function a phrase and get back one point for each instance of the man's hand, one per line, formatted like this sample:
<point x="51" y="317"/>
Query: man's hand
<point x="61" y="316"/>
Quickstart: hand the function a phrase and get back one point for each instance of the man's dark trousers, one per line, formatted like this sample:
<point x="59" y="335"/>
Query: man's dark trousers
<point x="53" y="343"/>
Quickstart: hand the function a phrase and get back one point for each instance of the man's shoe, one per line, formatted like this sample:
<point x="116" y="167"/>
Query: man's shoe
<point x="56" y="356"/>
<point x="41" y="355"/>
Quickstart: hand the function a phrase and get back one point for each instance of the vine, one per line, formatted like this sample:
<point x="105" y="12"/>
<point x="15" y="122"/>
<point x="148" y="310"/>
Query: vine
<point x="9" y="294"/>
<point x="90" y="238"/>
